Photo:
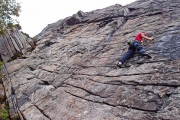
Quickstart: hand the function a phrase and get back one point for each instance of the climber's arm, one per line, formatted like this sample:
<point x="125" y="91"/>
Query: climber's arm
<point x="147" y="38"/>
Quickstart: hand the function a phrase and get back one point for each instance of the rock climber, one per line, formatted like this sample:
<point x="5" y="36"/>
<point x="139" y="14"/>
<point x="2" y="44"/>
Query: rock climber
<point x="134" y="46"/>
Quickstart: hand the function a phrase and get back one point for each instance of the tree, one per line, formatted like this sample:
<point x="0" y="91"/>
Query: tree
<point x="8" y="10"/>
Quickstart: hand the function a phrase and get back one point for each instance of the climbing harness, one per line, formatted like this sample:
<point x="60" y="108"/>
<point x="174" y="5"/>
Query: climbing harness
<point x="129" y="42"/>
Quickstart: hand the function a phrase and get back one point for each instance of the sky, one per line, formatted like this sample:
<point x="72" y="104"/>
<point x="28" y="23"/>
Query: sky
<point x="37" y="14"/>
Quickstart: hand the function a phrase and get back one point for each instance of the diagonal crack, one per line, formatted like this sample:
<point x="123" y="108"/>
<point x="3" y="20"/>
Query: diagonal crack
<point x="42" y="112"/>
<point x="126" y="106"/>
<point x="134" y="83"/>
<point x="115" y="75"/>
<point x="83" y="89"/>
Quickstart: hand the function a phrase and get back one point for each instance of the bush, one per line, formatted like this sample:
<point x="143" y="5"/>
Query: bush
<point x="4" y="113"/>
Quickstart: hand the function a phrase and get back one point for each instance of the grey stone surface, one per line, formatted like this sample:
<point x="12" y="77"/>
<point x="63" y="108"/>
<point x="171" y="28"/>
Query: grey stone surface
<point x="72" y="73"/>
<point x="14" y="42"/>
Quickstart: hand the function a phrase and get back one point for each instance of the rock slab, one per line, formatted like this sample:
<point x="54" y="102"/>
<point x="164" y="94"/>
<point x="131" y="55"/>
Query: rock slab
<point x="72" y="73"/>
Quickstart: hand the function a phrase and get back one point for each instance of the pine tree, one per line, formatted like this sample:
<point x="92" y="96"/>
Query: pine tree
<point x="8" y="10"/>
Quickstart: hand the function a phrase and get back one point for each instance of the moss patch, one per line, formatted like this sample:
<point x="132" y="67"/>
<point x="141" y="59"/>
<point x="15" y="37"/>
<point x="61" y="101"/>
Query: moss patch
<point x="4" y="113"/>
<point x="1" y="64"/>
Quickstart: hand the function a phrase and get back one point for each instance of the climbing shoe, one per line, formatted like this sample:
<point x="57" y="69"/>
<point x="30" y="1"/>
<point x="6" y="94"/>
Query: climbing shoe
<point x="147" y="55"/>
<point x="119" y="64"/>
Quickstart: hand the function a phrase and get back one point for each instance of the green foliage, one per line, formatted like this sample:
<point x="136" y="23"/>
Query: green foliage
<point x="4" y="113"/>
<point x="18" y="26"/>
<point x="16" y="117"/>
<point x="8" y="9"/>
<point x="1" y="64"/>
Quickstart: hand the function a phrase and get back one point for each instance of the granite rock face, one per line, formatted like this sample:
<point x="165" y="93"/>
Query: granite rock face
<point x="72" y="73"/>
<point x="14" y="42"/>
